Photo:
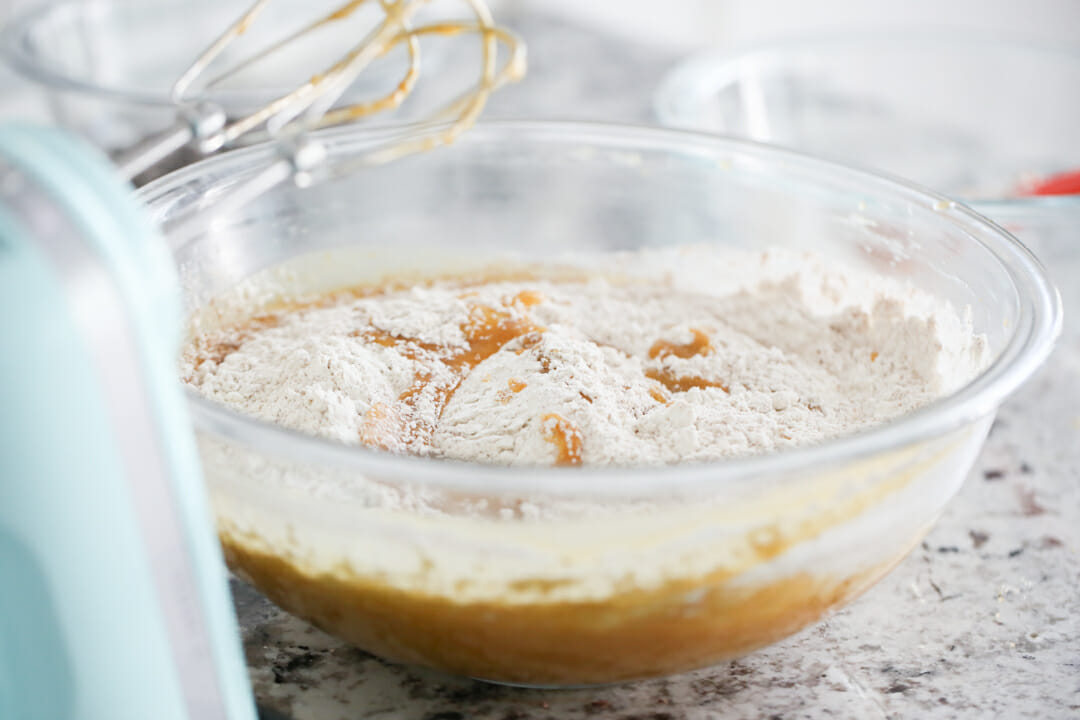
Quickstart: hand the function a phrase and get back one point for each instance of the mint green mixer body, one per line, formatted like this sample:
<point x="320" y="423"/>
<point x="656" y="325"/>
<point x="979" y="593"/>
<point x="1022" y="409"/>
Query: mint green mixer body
<point x="114" y="601"/>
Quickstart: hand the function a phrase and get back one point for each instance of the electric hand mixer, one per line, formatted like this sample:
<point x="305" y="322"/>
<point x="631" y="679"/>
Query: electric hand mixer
<point x="113" y="595"/>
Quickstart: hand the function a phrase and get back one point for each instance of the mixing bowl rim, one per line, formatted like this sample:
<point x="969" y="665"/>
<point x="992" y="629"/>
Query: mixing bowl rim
<point x="684" y="80"/>
<point x="1036" y="328"/>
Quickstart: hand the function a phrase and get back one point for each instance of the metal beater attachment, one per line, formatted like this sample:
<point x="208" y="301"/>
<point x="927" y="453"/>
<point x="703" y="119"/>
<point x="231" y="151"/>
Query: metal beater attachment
<point x="206" y="128"/>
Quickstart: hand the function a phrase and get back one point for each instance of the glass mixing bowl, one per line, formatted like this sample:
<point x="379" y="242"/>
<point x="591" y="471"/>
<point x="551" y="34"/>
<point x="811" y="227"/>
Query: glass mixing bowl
<point x="567" y="576"/>
<point x="974" y="117"/>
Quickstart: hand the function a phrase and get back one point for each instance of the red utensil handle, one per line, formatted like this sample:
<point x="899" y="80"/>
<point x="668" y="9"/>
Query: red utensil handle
<point x="1066" y="183"/>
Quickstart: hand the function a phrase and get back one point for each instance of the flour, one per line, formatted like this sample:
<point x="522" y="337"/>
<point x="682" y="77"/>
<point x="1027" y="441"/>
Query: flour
<point x="701" y="357"/>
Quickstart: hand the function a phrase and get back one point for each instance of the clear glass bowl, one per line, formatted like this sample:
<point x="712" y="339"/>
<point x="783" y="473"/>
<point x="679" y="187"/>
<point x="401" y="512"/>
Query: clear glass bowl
<point x="107" y="66"/>
<point x="567" y="576"/>
<point x="971" y="116"/>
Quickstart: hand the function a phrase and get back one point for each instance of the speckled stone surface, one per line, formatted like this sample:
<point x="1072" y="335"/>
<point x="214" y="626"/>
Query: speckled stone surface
<point x="983" y="620"/>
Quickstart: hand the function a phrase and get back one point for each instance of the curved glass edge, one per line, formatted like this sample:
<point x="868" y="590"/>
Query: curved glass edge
<point x="708" y="69"/>
<point x="12" y="49"/>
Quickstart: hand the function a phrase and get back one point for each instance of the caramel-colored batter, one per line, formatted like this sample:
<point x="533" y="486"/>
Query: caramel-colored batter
<point x="661" y="349"/>
<point x="541" y="638"/>
<point x="679" y="383"/>
<point x="636" y="634"/>
<point x="566" y="438"/>
<point x="487" y="331"/>
<point x="700" y="345"/>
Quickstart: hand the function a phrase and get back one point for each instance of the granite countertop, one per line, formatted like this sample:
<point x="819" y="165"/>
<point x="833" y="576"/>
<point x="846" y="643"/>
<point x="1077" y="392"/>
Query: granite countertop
<point x="983" y="620"/>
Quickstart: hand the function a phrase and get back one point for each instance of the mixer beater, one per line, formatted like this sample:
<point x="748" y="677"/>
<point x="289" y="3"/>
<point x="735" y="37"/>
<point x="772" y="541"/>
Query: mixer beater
<point x="206" y="128"/>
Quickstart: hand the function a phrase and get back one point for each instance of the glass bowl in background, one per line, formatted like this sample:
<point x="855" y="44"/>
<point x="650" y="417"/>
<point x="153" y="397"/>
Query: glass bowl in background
<point x="107" y="66"/>
<point x="568" y="576"/>
<point x="975" y="118"/>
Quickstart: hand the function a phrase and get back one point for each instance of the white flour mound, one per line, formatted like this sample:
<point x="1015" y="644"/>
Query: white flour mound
<point x="788" y="353"/>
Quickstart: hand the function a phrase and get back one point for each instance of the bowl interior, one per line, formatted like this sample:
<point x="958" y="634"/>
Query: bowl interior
<point x="534" y="194"/>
